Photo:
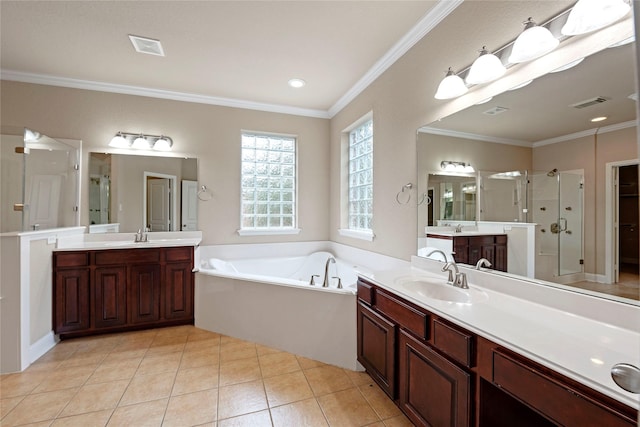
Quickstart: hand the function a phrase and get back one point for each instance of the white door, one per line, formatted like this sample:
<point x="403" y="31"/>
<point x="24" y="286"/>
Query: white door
<point x="189" y="212"/>
<point x="159" y="204"/>
<point x="44" y="201"/>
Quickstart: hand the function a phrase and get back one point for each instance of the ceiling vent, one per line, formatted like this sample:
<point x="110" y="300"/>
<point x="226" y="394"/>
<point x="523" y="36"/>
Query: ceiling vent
<point x="145" y="45"/>
<point x="589" y="102"/>
<point x="495" y="111"/>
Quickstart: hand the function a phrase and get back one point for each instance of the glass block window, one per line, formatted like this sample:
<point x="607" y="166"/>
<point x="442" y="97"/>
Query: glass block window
<point x="268" y="182"/>
<point x="361" y="177"/>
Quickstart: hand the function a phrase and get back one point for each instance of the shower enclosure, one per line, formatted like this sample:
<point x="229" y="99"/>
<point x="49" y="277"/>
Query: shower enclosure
<point x="557" y="208"/>
<point x="554" y="201"/>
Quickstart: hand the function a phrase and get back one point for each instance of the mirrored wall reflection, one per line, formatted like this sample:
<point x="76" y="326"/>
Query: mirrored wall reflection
<point x="40" y="182"/>
<point x="132" y="192"/>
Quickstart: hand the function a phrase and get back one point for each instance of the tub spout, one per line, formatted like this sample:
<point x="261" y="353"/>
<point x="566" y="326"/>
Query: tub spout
<point x="325" y="282"/>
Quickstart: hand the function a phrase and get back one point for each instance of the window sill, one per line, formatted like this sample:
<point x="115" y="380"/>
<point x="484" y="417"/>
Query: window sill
<point x="268" y="231"/>
<point x="357" y="234"/>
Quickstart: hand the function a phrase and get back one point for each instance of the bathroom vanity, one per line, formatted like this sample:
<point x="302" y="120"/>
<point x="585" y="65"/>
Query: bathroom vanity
<point x="420" y="345"/>
<point x="109" y="290"/>
<point x="469" y="247"/>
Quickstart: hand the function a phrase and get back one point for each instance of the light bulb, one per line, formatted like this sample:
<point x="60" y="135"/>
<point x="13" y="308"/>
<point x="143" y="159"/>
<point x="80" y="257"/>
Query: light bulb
<point x="591" y="15"/>
<point x="487" y="67"/>
<point x="140" y="143"/>
<point x="119" y="141"/>
<point x="451" y="86"/>
<point x="532" y="43"/>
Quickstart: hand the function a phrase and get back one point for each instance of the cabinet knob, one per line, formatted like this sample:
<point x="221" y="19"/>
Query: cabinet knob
<point x="626" y="376"/>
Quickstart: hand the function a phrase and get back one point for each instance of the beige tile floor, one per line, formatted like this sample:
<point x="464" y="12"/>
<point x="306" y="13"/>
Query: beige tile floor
<point x="628" y="286"/>
<point x="185" y="376"/>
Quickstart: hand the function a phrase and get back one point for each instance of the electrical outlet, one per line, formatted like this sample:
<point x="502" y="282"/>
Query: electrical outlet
<point x="51" y="240"/>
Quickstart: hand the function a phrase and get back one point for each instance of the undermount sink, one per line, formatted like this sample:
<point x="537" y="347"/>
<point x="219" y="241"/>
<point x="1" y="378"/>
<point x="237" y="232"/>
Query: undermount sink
<point x="439" y="289"/>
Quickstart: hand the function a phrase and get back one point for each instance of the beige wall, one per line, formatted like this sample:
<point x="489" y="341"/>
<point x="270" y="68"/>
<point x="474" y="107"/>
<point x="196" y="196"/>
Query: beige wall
<point x="210" y="133"/>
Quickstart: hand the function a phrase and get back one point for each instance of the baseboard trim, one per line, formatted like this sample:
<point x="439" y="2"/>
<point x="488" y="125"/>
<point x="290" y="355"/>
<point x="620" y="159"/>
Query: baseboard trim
<point x="40" y="347"/>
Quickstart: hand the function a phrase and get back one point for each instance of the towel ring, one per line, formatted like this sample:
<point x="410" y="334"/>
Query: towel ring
<point x="407" y="189"/>
<point x="204" y="194"/>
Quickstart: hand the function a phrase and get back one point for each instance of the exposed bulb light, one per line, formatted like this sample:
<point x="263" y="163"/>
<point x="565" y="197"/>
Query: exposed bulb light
<point x="535" y="41"/>
<point x="119" y="141"/>
<point x="567" y="66"/>
<point x="599" y="119"/>
<point x="487" y="67"/>
<point x="163" y="144"/>
<point x="591" y="15"/>
<point x="451" y="86"/>
<point x="140" y="143"/>
<point x="297" y="83"/>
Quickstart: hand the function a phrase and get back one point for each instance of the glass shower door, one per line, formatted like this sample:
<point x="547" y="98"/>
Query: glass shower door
<point x="570" y="227"/>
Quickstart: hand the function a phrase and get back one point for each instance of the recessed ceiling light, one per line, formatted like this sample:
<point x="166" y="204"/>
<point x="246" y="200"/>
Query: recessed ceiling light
<point x="599" y="119"/>
<point x="146" y="45"/>
<point x="297" y="83"/>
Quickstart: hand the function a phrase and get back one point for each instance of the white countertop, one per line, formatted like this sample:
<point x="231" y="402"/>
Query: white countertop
<point x="564" y="340"/>
<point x="462" y="233"/>
<point x="127" y="240"/>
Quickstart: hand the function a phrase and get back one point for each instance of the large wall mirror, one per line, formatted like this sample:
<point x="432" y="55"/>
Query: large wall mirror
<point x="132" y="192"/>
<point x="40" y="183"/>
<point x="545" y="173"/>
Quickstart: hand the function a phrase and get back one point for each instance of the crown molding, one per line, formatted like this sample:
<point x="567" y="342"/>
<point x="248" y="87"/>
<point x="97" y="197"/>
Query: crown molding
<point x="474" y="136"/>
<point x="421" y="29"/>
<point x="588" y="132"/>
<point x="44" y="79"/>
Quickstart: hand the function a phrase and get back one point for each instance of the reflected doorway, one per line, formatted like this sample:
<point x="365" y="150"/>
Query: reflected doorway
<point x="159" y="211"/>
<point x="628" y="221"/>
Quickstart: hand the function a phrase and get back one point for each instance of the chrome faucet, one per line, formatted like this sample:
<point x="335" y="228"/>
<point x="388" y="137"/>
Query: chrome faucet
<point x="460" y="279"/>
<point x="482" y="262"/>
<point x="325" y="282"/>
<point x="141" y="236"/>
<point x="438" y="251"/>
<point x="459" y="228"/>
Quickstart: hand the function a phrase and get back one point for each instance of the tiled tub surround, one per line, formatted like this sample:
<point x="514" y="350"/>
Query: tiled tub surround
<point x="185" y="376"/>
<point x="311" y="321"/>
<point x="576" y="335"/>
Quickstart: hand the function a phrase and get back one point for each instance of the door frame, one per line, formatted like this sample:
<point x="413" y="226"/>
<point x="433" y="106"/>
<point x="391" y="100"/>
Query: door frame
<point x="173" y="197"/>
<point x="612" y="230"/>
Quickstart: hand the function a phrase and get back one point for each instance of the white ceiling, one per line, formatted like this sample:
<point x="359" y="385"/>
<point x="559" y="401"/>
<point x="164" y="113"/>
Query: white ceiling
<point x="225" y="51"/>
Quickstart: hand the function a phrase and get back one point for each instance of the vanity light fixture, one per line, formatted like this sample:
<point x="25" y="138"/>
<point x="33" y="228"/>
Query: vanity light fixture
<point x="139" y="141"/>
<point x="119" y="141"/>
<point x="451" y="86"/>
<point x="459" y="167"/>
<point x="162" y="144"/>
<point x="591" y="15"/>
<point x="535" y="41"/>
<point x="486" y="68"/>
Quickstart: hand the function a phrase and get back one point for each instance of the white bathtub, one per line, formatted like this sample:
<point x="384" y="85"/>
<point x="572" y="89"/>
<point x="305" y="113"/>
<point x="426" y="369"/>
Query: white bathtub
<point x="261" y="293"/>
<point x="288" y="271"/>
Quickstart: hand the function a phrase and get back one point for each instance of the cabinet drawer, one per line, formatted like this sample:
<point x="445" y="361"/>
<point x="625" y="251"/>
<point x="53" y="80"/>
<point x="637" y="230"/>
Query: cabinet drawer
<point x="177" y="254"/>
<point x="481" y="240"/>
<point x="71" y="259"/>
<point x="127" y="256"/>
<point x="554" y="399"/>
<point x="456" y="343"/>
<point x="365" y="292"/>
<point x="406" y="316"/>
<point x="501" y="240"/>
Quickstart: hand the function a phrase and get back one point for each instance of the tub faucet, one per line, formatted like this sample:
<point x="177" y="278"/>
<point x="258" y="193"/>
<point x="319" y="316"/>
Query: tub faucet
<point x="325" y="282"/>
<point x="482" y="262"/>
<point x="460" y="279"/>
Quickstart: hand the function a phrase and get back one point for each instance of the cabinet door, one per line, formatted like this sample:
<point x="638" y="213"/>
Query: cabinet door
<point x="432" y="390"/>
<point x="461" y="250"/>
<point x="500" y="263"/>
<point x="178" y="290"/>
<point x="143" y="300"/>
<point x="110" y="297"/>
<point x="71" y="300"/>
<point x="376" y="348"/>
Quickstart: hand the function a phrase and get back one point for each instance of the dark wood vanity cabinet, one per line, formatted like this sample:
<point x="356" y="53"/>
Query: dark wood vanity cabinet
<point x="440" y="374"/>
<point x="98" y="291"/>
<point x="470" y="249"/>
